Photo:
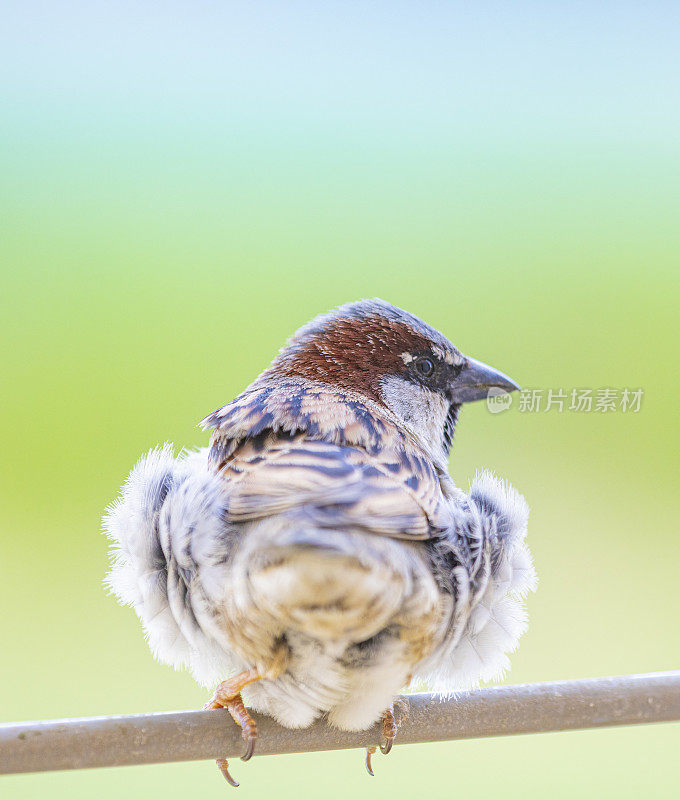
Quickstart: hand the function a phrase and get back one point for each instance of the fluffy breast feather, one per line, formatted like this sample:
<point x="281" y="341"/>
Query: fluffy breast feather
<point x="485" y="561"/>
<point x="166" y="527"/>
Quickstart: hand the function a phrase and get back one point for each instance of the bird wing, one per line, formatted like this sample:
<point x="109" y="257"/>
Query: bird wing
<point x="389" y="492"/>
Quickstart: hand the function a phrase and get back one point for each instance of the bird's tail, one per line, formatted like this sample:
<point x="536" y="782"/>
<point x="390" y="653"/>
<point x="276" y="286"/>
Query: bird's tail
<point x="167" y="508"/>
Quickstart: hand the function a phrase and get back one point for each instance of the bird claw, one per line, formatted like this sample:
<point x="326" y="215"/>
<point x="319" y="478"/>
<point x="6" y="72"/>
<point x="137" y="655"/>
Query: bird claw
<point x="369" y="766"/>
<point x="384" y="748"/>
<point x="390" y="725"/>
<point x="223" y="766"/>
<point x="250" y="749"/>
<point x="228" y="696"/>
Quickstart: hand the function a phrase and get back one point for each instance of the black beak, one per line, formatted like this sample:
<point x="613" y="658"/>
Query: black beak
<point x="475" y="381"/>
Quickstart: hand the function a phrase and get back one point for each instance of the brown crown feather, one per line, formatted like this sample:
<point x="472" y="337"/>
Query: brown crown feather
<point x="351" y="354"/>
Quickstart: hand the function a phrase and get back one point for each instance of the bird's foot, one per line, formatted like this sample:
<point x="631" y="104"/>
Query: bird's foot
<point x="389" y="732"/>
<point x="390" y="726"/>
<point x="228" y="695"/>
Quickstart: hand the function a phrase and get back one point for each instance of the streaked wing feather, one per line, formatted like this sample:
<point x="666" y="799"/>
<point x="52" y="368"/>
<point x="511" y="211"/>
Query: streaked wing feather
<point x="389" y="493"/>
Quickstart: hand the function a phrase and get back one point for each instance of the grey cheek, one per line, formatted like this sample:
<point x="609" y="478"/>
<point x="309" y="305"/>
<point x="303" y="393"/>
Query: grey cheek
<point x="401" y="397"/>
<point x="419" y="408"/>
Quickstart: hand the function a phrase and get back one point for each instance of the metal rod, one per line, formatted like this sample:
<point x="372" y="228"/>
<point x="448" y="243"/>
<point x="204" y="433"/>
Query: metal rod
<point x="193" y="735"/>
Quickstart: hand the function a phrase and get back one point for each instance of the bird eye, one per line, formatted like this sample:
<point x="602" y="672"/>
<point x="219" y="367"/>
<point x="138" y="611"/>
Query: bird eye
<point x="425" y="367"/>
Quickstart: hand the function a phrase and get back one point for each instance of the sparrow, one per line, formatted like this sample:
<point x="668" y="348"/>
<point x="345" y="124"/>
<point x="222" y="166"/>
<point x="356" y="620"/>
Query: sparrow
<point x="317" y="554"/>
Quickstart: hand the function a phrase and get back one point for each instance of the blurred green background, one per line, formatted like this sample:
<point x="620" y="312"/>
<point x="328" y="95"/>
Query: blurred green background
<point x="185" y="184"/>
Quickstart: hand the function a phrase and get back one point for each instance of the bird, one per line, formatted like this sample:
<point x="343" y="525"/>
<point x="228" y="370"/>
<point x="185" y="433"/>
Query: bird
<point x="317" y="556"/>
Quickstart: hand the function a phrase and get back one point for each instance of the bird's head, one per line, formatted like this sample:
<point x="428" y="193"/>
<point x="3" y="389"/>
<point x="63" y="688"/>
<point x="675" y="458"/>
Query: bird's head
<point x="377" y="351"/>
